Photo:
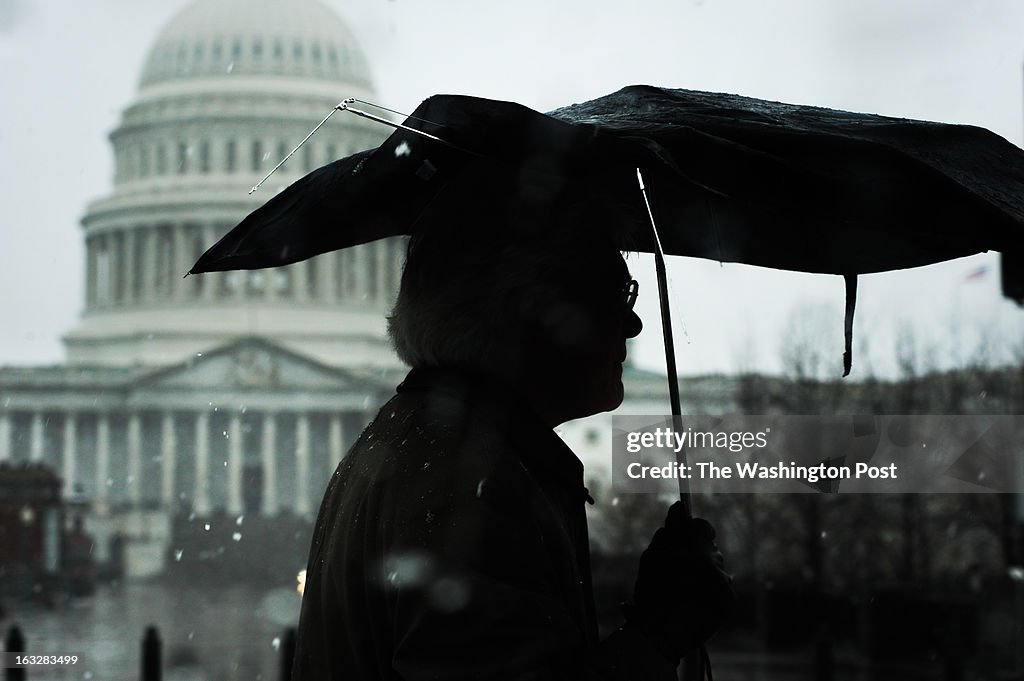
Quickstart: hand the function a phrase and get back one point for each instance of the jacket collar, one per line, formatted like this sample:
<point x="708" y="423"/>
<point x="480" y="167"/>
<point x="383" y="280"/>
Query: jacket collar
<point x="486" y="397"/>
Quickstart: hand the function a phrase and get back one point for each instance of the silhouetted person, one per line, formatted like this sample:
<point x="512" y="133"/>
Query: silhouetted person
<point x="452" y="539"/>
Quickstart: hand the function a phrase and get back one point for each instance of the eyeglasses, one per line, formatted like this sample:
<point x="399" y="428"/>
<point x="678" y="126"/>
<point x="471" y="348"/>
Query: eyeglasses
<point x="630" y="292"/>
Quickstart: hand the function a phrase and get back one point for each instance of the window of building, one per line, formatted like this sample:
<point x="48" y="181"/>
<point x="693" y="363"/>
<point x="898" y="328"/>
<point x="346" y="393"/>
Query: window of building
<point x="229" y="282"/>
<point x="348" y="269"/>
<point x="307" y="158"/>
<point x="332" y="152"/>
<point x="161" y="160"/>
<point x="282" y="151"/>
<point x="257" y="155"/>
<point x="182" y="158"/>
<point x="236" y="48"/>
<point x="297" y="52"/>
<point x="311" y="278"/>
<point x="339" y="266"/>
<point x="283" y="281"/>
<point x="230" y="156"/>
<point x="255" y="283"/>
<point x="204" y="156"/>
<point x="198" y="248"/>
<point x="257" y="49"/>
<point x="144" y="161"/>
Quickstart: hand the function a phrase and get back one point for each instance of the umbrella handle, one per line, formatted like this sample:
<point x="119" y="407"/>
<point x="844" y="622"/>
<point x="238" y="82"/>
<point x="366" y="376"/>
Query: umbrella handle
<point x="670" y="348"/>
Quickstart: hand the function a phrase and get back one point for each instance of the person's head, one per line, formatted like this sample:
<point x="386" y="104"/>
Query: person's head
<point x="531" y="292"/>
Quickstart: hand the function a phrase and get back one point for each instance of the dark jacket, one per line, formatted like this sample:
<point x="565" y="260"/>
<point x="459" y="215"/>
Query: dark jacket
<point x="452" y="544"/>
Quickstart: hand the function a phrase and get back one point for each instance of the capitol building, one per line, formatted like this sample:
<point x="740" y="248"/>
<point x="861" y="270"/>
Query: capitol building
<point x="231" y="392"/>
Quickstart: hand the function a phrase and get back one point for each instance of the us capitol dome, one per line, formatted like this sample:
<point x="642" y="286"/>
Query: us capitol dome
<point x="224" y="395"/>
<point x="228" y="89"/>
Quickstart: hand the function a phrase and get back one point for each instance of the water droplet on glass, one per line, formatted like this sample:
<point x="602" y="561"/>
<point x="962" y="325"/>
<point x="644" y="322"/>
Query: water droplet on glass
<point x="231" y="67"/>
<point x="402" y="150"/>
<point x="178" y="554"/>
<point x="237" y="536"/>
<point x="239" y="519"/>
<point x="206" y="526"/>
<point x="191" y="635"/>
<point x="276" y="643"/>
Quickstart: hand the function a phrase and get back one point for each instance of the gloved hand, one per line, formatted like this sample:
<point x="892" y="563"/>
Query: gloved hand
<point x="683" y="595"/>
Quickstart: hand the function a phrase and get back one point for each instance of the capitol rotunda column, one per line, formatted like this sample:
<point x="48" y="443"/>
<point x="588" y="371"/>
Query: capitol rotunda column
<point x="69" y="454"/>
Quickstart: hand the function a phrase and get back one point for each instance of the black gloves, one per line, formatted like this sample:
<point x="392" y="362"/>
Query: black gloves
<point x="683" y="594"/>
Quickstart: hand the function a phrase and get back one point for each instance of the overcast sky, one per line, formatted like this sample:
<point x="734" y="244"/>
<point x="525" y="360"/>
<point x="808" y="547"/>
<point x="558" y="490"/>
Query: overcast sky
<point x="67" y="69"/>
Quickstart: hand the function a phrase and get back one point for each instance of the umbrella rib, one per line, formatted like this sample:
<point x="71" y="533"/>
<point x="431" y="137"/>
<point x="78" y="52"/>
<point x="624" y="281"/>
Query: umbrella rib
<point x="292" y="152"/>
<point x="346" y="106"/>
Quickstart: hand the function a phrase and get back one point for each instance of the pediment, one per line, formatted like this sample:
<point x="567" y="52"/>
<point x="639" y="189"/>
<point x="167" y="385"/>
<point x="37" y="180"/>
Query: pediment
<point x="254" y="365"/>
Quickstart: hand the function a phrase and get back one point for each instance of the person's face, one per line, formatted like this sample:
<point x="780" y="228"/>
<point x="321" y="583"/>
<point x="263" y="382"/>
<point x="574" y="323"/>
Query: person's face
<point x="586" y="333"/>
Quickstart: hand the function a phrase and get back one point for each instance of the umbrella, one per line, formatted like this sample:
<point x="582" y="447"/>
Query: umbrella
<point x="731" y="178"/>
<point x="725" y="177"/>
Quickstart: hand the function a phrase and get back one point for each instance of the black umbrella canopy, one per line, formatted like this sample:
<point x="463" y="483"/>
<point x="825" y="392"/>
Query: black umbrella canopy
<point x="730" y="178"/>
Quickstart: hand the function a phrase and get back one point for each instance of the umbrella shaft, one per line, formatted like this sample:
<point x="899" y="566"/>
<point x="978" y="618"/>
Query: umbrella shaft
<point x="670" y="347"/>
